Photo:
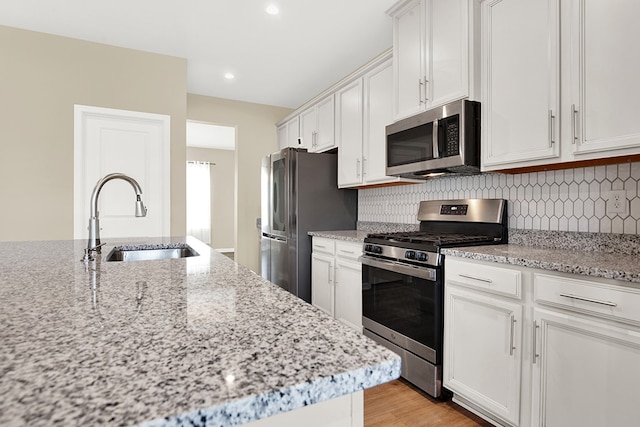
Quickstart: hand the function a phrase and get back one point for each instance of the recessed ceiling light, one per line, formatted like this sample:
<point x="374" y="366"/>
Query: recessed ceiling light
<point x="229" y="76"/>
<point x="272" y="9"/>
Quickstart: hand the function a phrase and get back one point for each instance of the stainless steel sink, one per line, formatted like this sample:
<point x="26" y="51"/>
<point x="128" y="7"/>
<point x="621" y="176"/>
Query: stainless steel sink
<point x="150" y="252"/>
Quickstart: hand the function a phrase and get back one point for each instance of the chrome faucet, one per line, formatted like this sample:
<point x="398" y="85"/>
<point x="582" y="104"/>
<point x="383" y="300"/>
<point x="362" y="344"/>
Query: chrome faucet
<point x="94" y="245"/>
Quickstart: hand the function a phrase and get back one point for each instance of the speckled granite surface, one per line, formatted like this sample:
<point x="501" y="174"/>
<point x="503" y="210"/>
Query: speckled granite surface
<point x="195" y="341"/>
<point x="386" y="227"/>
<point x="347" y="235"/>
<point x="595" y="264"/>
<point x="628" y="244"/>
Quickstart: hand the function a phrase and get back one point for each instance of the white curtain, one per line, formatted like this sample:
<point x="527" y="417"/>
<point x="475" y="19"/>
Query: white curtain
<point x="199" y="201"/>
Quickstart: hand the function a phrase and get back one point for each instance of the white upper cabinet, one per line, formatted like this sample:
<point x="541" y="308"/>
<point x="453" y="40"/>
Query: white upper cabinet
<point x="559" y="84"/>
<point x="605" y="66"/>
<point x="378" y="113"/>
<point x="288" y="134"/>
<point x="434" y="55"/>
<point x="363" y="110"/>
<point x="349" y="134"/>
<point x="317" y="126"/>
<point x="520" y="81"/>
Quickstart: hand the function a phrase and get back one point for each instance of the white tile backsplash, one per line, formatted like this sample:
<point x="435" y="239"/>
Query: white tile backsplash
<point x="562" y="200"/>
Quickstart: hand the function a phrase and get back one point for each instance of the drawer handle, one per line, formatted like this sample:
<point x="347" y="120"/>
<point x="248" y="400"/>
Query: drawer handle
<point x="347" y="252"/>
<point x="512" y="339"/>
<point x="607" y="303"/>
<point x="534" y="346"/>
<point x="476" y="278"/>
<point x="320" y="246"/>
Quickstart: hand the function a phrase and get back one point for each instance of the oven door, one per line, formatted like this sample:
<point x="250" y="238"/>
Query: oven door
<point x="404" y="304"/>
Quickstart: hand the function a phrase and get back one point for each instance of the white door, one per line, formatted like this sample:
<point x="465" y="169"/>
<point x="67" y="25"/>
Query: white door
<point x="520" y="98"/>
<point x="133" y="143"/>
<point x="409" y="58"/>
<point x="378" y="113"/>
<point x="348" y="295"/>
<point x="604" y="75"/>
<point x="586" y="372"/>
<point x="482" y="351"/>
<point x="322" y="282"/>
<point x="349" y="134"/>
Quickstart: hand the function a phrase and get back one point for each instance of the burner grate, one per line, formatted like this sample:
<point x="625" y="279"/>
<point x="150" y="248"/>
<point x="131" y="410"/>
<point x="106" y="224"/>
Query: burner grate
<point x="433" y="238"/>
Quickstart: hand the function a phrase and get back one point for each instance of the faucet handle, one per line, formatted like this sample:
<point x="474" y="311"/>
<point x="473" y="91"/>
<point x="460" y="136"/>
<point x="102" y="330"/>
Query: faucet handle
<point x="89" y="253"/>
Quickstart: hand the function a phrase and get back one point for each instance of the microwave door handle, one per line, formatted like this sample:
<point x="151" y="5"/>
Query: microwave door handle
<point x="436" y="146"/>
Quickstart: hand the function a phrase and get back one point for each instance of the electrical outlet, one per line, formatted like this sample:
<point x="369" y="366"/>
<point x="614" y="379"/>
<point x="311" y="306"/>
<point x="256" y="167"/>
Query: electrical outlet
<point x="617" y="201"/>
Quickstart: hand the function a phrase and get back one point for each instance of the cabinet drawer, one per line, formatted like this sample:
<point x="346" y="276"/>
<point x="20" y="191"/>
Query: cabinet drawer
<point x="498" y="280"/>
<point x="348" y="250"/>
<point x="588" y="297"/>
<point x="323" y="245"/>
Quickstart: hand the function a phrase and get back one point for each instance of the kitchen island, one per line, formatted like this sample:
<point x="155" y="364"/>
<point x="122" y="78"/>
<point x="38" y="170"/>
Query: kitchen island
<point x="195" y="341"/>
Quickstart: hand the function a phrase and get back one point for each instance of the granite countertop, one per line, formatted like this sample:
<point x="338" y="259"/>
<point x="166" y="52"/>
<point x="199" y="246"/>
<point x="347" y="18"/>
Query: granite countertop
<point x="595" y="264"/>
<point x="199" y="340"/>
<point x="347" y="235"/>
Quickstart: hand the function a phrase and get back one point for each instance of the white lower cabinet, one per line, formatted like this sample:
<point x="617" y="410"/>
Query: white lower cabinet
<point x="586" y="373"/>
<point x="336" y="279"/>
<point x="483" y="338"/>
<point x="527" y="347"/>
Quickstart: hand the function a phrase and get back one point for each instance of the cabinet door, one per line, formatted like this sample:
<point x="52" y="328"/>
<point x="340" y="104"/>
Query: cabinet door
<point x="482" y="351"/>
<point x="520" y="82"/>
<point x="448" y="51"/>
<point x="283" y="136"/>
<point x="605" y="70"/>
<point x="322" y="282"/>
<point x="349" y="132"/>
<point x="325" y="136"/>
<point x="292" y="133"/>
<point x="378" y="113"/>
<point x="308" y="122"/>
<point x="408" y="58"/>
<point x="348" y="298"/>
<point x="585" y="373"/>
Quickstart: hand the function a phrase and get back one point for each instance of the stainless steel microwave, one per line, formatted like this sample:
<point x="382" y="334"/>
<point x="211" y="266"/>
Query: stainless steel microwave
<point x="442" y="140"/>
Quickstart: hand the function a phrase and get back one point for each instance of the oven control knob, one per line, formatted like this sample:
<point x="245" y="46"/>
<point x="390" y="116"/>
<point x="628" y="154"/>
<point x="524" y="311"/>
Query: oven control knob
<point x="410" y="255"/>
<point x="421" y="256"/>
<point x="376" y="249"/>
<point x="367" y="248"/>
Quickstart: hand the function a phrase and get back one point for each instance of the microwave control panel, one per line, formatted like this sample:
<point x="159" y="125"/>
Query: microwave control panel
<point x="451" y="137"/>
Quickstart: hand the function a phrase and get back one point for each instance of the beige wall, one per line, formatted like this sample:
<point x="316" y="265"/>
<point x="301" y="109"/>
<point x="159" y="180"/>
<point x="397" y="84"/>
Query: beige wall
<point x="41" y="78"/>
<point x="256" y="136"/>
<point x="223" y="167"/>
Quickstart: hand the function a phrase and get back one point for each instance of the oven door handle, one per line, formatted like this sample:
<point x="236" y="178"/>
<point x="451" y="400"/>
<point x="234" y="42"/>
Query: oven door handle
<point x="397" y="267"/>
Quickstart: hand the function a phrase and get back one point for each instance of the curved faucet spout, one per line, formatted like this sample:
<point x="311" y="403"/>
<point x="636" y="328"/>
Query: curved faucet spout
<point x="93" y="245"/>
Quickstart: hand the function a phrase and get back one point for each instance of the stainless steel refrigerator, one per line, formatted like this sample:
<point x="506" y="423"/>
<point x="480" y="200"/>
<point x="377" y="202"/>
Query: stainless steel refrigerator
<point x="299" y="194"/>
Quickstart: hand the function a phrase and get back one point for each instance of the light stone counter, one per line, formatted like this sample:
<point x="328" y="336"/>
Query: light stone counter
<point x="347" y="235"/>
<point x="197" y="341"/>
<point x="595" y="264"/>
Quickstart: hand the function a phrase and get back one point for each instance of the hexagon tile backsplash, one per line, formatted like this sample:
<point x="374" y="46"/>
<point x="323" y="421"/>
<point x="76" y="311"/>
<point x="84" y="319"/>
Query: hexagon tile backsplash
<point x="563" y="200"/>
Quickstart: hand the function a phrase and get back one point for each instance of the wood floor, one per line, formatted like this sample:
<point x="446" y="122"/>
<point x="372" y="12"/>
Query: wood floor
<point x="399" y="404"/>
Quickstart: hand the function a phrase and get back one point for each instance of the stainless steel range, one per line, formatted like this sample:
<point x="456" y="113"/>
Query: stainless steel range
<point x="403" y="280"/>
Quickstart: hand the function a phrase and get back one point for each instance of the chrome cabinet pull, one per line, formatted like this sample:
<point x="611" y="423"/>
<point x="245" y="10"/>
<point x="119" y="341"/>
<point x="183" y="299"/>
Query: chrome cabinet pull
<point x="535" y="341"/>
<point x="512" y="338"/>
<point x="551" y="127"/>
<point x="595" y="301"/>
<point x="574" y="123"/>
<point x="426" y="97"/>
<point x="420" y="84"/>
<point x="479" y="279"/>
<point x="314" y="139"/>
<point x="364" y="166"/>
<point x="358" y="167"/>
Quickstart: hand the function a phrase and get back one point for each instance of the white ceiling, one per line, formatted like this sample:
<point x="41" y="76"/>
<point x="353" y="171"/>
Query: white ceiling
<point x="281" y="60"/>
